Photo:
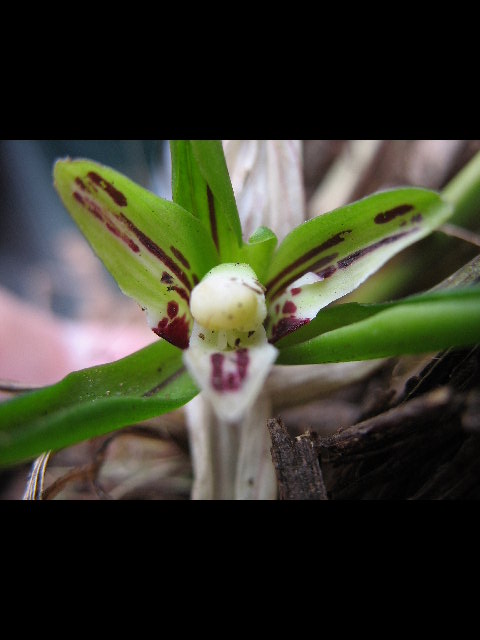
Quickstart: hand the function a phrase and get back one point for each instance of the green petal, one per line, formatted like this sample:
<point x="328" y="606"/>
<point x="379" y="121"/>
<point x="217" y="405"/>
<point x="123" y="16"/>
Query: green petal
<point x="94" y="401"/>
<point x="154" y="249"/>
<point x="258" y="251"/>
<point x="201" y="184"/>
<point x="329" y="256"/>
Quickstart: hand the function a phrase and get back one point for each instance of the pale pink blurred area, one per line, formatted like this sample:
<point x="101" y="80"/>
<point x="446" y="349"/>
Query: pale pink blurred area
<point x="38" y="348"/>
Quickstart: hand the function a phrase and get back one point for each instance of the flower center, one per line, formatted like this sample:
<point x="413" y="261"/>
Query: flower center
<point x="229" y="297"/>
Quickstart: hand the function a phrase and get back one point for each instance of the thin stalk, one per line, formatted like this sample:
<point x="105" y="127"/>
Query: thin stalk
<point x="463" y="191"/>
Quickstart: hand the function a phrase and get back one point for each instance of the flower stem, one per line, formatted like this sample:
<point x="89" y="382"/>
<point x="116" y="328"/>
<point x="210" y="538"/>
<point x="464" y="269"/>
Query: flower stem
<point x="463" y="191"/>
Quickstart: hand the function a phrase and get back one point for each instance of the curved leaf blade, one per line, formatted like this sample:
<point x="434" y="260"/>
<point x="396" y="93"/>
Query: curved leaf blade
<point x="94" y="401"/>
<point x="421" y="324"/>
<point x="155" y="250"/>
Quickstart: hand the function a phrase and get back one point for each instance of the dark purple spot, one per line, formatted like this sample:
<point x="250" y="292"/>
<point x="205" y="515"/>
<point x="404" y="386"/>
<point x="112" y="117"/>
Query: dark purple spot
<point x="102" y="215"/>
<point x="232" y="379"/>
<point x="212" y="216"/>
<point x="195" y="279"/>
<point x="179" y="255"/>
<point x="201" y="336"/>
<point x="388" y="216"/>
<point x="149" y="244"/>
<point x="89" y="205"/>
<point x="176" y="332"/>
<point x="277" y="309"/>
<point x="78" y="198"/>
<point x="166" y="278"/>
<point x="80" y="183"/>
<point x="115" y="194"/>
<point x="417" y="218"/>
<point x="322" y="262"/>
<point x="161" y="325"/>
<point x="346" y="262"/>
<point x="237" y="342"/>
<point x="289" y="307"/>
<point x="250" y="334"/>
<point x="242" y="362"/>
<point x="172" y="308"/>
<point x="309" y="255"/>
<point x="182" y="293"/>
<point x="217" y="371"/>
<point x="295" y="291"/>
<point x="286" y="326"/>
<point x="122" y="236"/>
<point x="326" y="273"/>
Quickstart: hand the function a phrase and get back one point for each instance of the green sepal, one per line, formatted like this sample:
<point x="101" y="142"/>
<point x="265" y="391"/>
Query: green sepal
<point x="156" y="250"/>
<point x="258" y="251"/>
<point x="346" y="245"/>
<point x="201" y="184"/>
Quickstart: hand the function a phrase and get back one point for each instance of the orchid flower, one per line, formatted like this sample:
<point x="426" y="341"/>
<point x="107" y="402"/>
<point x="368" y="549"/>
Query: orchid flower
<point x="228" y="304"/>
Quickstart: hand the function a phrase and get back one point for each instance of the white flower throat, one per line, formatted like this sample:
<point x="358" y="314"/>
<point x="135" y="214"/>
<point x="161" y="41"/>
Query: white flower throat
<point x="229" y="355"/>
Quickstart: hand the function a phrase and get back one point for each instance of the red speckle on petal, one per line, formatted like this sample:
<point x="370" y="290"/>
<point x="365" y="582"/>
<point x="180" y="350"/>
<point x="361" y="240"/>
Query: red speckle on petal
<point x="390" y="215"/>
<point x="176" y="332"/>
<point x="326" y="273"/>
<point x="179" y="255"/>
<point x="289" y="307"/>
<point x="242" y="362"/>
<point x="217" y="371"/>
<point x="295" y="291"/>
<point x="116" y="195"/>
<point x="78" y="198"/>
<point x="286" y="326"/>
<point x="166" y="278"/>
<point x="80" y="183"/>
<point x="182" y="293"/>
<point x="232" y="379"/>
<point x="172" y="309"/>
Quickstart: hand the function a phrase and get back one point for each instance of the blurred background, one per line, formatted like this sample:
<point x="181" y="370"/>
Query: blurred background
<point x="37" y="236"/>
<point x="60" y="310"/>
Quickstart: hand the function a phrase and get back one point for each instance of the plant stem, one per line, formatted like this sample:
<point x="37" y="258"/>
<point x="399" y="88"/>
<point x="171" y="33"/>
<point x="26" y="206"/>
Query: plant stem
<point x="463" y="191"/>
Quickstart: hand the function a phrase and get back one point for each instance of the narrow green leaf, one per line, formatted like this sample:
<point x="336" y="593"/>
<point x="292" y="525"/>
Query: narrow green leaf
<point x="329" y="256"/>
<point x="201" y="184"/>
<point x="156" y="250"/>
<point x="94" y="401"/>
<point x="420" y="324"/>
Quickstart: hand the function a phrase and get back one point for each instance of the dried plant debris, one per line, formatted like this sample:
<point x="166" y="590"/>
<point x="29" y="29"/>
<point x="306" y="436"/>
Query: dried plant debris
<point x="427" y="446"/>
<point x="299" y="476"/>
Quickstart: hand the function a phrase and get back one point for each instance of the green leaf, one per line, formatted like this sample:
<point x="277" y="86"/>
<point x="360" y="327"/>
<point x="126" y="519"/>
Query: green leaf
<point x="156" y="250"/>
<point x="420" y="324"/>
<point x="201" y="184"/>
<point x="329" y="256"/>
<point x="94" y="401"/>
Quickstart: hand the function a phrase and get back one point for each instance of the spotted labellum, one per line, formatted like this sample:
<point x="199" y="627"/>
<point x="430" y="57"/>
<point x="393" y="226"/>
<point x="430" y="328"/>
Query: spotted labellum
<point x="229" y="304"/>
